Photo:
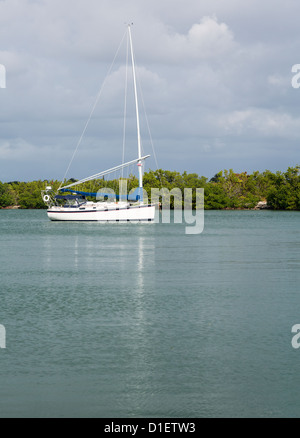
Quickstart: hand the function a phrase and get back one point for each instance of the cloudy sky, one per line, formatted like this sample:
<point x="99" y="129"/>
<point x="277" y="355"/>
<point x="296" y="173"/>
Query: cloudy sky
<point x="216" y="80"/>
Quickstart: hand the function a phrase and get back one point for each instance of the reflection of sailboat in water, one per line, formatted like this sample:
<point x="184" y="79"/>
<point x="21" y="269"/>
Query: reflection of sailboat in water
<point x="130" y="207"/>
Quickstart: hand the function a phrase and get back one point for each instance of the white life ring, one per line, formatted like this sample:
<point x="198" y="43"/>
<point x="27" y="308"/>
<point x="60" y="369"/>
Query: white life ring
<point x="46" y="198"/>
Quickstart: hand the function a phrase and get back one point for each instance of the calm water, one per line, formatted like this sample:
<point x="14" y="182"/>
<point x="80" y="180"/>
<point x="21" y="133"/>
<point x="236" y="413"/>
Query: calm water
<point x="145" y="321"/>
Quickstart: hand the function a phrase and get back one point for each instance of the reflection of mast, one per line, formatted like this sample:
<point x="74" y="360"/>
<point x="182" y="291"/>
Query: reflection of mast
<point x="140" y="270"/>
<point x="137" y="112"/>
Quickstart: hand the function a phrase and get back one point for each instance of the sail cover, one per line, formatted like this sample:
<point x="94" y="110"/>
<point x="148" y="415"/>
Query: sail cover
<point x="68" y="197"/>
<point x="137" y="195"/>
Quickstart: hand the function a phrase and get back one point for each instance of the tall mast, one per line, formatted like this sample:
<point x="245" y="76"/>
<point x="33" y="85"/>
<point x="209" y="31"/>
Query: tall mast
<point x="137" y="113"/>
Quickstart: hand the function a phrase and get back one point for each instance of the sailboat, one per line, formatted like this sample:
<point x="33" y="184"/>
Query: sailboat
<point x="69" y="204"/>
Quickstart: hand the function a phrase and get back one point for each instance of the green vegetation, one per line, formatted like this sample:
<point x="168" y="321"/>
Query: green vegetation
<point x="226" y="190"/>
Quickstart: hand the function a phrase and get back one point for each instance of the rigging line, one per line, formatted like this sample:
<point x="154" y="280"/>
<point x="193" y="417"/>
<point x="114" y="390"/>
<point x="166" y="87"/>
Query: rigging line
<point x="125" y="106"/>
<point x="92" y="111"/>
<point x="105" y="172"/>
<point x="149" y="131"/>
<point x="147" y="123"/>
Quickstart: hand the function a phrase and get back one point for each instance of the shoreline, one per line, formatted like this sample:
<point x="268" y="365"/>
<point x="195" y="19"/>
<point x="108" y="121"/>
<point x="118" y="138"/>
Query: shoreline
<point x="10" y="208"/>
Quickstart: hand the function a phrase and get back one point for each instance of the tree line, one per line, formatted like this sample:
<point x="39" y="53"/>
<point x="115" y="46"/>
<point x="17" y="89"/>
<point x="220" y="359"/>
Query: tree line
<point x="225" y="190"/>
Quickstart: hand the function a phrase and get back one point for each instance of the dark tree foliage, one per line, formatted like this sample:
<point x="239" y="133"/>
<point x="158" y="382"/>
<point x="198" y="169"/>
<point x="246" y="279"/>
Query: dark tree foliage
<point x="225" y="190"/>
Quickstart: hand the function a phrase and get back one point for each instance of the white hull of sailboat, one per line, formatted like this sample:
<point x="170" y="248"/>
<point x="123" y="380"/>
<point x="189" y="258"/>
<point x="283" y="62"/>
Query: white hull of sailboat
<point x="134" y="213"/>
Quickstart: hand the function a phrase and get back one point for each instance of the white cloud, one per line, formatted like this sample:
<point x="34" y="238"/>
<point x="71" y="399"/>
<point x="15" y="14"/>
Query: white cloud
<point x="259" y="123"/>
<point x="210" y="38"/>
